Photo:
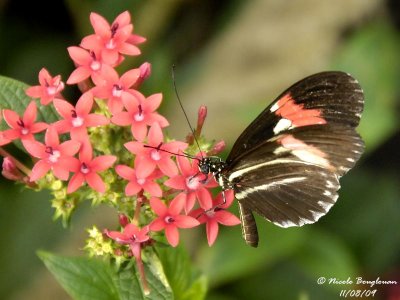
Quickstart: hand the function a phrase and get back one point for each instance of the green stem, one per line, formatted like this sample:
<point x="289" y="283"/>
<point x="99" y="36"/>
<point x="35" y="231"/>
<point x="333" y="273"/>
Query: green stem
<point x="17" y="163"/>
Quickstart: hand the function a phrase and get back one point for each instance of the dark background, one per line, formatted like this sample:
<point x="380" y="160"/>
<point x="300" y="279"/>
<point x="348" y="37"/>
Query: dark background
<point x="235" y="57"/>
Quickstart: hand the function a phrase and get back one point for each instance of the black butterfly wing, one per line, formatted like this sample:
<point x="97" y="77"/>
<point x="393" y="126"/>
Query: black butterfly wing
<point x="286" y="164"/>
<point x="327" y="97"/>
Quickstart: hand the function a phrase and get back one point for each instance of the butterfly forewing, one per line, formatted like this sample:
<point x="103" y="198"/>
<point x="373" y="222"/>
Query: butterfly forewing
<point x="287" y="163"/>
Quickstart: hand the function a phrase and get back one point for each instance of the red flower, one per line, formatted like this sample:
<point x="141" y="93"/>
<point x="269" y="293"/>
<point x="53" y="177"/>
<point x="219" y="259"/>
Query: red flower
<point x="49" y="88"/>
<point x="113" y="88"/>
<point x="86" y="169"/>
<point x="87" y="62"/>
<point x="147" y="159"/>
<point x="140" y="114"/>
<point x="22" y="128"/>
<point x="170" y="219"/>
<point x="137" y="184"/>
<point x="190" y="181"/>
<point x="52" y="155"/>
<point x="216" y="213"/>
<point x="78" y="118"/>
<point x="112" y="40"/>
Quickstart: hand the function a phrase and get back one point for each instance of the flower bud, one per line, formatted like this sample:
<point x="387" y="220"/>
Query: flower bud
<point x="145" y="72"/>
<point x="202" y="114"/>
<point x="10" y="170"/>
<point x="218" y="147"/>
<point x="123" y="220"/>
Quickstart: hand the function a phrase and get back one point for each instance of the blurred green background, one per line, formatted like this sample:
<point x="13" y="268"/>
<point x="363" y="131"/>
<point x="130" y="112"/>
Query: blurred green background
<point x="235" y="57"/>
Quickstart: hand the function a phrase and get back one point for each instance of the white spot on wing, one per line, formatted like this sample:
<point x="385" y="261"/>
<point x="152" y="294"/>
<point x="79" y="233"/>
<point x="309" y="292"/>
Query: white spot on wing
<point x="350" y="159"/>
<point x="311" y="157"/>
<point x="274" y="107"/>
<point x="283" y="124"/>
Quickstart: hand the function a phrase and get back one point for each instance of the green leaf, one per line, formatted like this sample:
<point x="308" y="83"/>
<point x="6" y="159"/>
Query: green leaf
<point x="185" y="283"/>
<point x="89" y="278"/>
<point x="12" y="96"/>
<point x="378" y="75"/>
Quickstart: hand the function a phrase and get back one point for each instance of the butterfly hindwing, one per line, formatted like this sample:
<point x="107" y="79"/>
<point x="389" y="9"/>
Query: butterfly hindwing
<point x="323" y="98"/>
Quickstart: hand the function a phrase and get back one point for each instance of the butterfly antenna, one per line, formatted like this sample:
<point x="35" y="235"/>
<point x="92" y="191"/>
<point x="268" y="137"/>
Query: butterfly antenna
<point x="184" y="112"/>
<point x="177" y="154"/>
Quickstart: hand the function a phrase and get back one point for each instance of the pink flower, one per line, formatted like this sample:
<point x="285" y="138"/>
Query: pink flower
<point x="78" y="118"/>
<point x="191" y="181"/>
<point x="3" y="140"/>
<point x="216" y="213"/>
<point x="170" y="219"/>
<point x="49" y="88"/>
<point x="52" y="155"/>
<point x="147" y="159"/>
<point x="132" y="236"/>
<point x="86" y="169"/>
<point x="145" y="72"/>
<point x="22" y="128"/>
<point x="141" y="112"/>
<point x="112" y="40"/>
<point x="113" y="88"/>
<point x="87" y="62"/>
<point x="136" y="184"/>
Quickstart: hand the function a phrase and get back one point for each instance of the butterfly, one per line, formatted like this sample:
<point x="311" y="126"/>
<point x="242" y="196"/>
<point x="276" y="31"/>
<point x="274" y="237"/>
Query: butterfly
<point x="286" y="164"/>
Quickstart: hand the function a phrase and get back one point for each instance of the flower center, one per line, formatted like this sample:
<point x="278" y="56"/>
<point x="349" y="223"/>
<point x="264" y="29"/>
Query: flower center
<point x="95" y="65"/>
<point x="110" y="44"/>
<point x="192" y="182"/>
<point x="141" y="181"/>
<point x="117" y="91"/>
<point x="77" y="121"/>
<point x="54" y="154"/>
<point x="84" y="168"/>
<point x="169" y="219"/>
<point x="155" y="155"/>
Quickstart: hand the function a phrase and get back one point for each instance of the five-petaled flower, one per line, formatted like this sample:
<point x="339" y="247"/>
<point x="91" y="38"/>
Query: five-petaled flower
<point x="170" y="219"/>
<point x="148" y="158"/>
<point x="22" y="127"/>
<point x="78" y="118"/>
<point x="194" y="183"/>
<point x="141" y="112"/>
<point x="87" y="63"/>
<point x="49" y="89"/>
<point x="112" y="40"/>
<point x="86" y="168"/>
<point x="136" y="184"/>
<point x="114" y="88"/>
<point x="52" y="155"/>
<point x="216" y="213"/>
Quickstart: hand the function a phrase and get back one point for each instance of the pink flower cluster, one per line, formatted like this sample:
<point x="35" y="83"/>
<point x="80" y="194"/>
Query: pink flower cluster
<point x="170" y="184"/>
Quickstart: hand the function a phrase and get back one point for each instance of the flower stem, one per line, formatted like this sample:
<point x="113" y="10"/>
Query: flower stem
<point x="140" y="266"/>
<point x="18" y="164"/>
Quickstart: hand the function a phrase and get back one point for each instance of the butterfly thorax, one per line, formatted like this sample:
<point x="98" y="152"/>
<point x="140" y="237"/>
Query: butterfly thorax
<point x="215" y="165"/>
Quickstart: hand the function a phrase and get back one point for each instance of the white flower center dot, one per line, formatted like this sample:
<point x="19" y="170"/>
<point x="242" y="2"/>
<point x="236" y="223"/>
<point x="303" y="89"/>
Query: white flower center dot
<point x="77" y="122"/>
<point x="51" y="90"/>
<point x="141" y="181"/>
<point x="139" y="117"/>
<point x="192" y="182"/>
<point x="155" y="155"/>
<point x="54" y="156"/>
<point x="24" y="131"/>
<point x="95" y="65"/>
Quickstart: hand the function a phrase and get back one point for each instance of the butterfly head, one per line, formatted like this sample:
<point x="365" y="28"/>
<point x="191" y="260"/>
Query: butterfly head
<point x="211" y="164"/>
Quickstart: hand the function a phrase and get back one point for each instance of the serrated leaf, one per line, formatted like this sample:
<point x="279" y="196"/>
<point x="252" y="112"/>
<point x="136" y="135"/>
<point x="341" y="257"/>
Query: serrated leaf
<point x="89" y="278"/>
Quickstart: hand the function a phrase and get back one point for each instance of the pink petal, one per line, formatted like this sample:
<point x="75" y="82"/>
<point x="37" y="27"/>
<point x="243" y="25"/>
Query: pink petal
<point x="229" y="196"/>
<point x="103" y="162"/>
<point x="39" y="170"/>
<point x="177" y="204"/>
<point x="35" y="148"/>
<point x="226" y="218"/>
<point x="186" y="221"/>
<point x="168" y="167"/>
<point x="122" y="119"/>
<point x="144" y="167"/>
<point x="100" y="25"/>
<point x="79" y="75"/>
<point x="11" y="117"/>
<point x="70" y="148"/>
<point x="177" y="182"/>
<point x="30" y="114"/>
<point x="115" y="105"/>
<point x="130" y="230"/>
<point x="172" y="235"/>
<point x="51" y="137"/>
<point x="175" y="146"/>
<point x="135" y="147"/>
<point x="153" y="102"/>
<point x="75" y="182"/>
<point x="204" y="197"/>
<point x="139" y="131"/>
<point x="110" y="57"/>
<point x="84" y="104"/>
<point x="155" y="135"/>
<point x="158" y="206"/>
<point x="44" y="77"/>
<point x="129" y="49"/>
<point x="157" y="225"/>
<point x="125" y="172"/>
<point x="184" y="165"/>
<point x="63" y="108"/>
<point x="132" y="188"/>
<point x="212" y="231"/>
<point x="118" y="237"/>
<point x="190" y="201"/>
<point x="123" y="18"/>
<point x="157" y="118"/>
<point x="34" y="91"/>
<point x="79" y="56"/>
<point x="60" y="171"/>
<point x="38" y="127"/>
<point x="96" y="120"/>
<point x="130" y="77"/>
<point x="131" y="103"/>
<point x="92" y="42"/>
<point x="153" y="189"/>
<point x="12" y="134"/>
<point x="95" y="182"/>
